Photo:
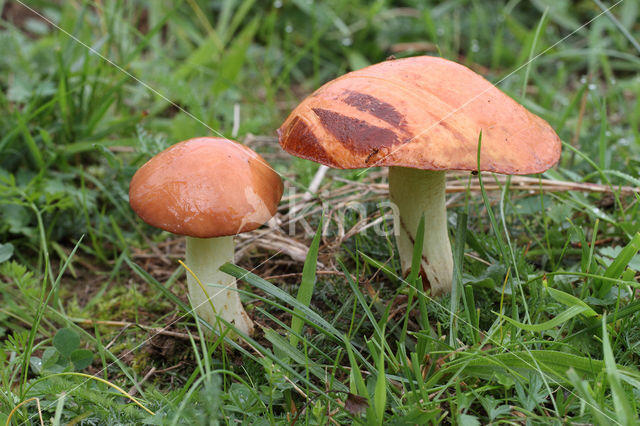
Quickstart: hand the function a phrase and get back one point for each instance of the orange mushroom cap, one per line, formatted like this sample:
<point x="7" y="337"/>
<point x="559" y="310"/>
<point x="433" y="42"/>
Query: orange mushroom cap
<point x="206" y="187"/>
<point x="422" y="112"/>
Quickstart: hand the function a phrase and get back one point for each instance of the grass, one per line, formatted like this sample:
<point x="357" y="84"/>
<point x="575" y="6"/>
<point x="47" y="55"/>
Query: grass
<point x="95" y="328"/>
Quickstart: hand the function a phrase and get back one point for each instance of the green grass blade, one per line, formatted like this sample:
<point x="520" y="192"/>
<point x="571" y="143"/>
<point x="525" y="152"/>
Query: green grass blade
<point x="34" y="150"/>
<point x="547" y="325"/>
<point x="570" y="300"/>
<point x="585" y="393"/>
<point x="626" y="414"/>
<point x="380" y="395"/>
<point x="487" y="204"/>
<point x="305" y="291"/>
<point x="457" y="289"/>
<point x="357" y="383"/>
<point x="234" y="58"/>
<point x="625" y="312"/>
<point x="607" y="11"/>
<point x="542" y="24"/>
<point x="619" y="264"/>
<point x="554" y="364"/>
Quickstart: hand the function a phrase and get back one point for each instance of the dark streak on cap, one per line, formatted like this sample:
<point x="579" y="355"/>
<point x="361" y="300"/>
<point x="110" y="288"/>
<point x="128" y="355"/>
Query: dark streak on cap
<point x="356" y="135"/>
<point x="375" y="107"/>
<point x="302" y="139"/>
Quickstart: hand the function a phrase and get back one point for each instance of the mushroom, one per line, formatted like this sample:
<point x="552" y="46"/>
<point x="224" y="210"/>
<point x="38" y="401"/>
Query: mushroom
<point x="208" y="189"/>
<point x="419" y="116"/>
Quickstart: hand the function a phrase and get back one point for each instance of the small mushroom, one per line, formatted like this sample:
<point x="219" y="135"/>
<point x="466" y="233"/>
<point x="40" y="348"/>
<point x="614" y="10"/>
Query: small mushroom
<point x="208" y="189"/>
<point x="419" y="116"/>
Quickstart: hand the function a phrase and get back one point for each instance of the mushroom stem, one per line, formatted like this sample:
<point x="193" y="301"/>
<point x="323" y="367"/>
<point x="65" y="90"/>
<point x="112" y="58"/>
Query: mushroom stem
<point x="204" y="257"/>
<point x="415" y="193"/>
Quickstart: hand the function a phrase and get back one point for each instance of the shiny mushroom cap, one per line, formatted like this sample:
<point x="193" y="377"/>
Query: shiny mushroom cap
<point x="421" y="112"/>
<point x="206" y="187"/>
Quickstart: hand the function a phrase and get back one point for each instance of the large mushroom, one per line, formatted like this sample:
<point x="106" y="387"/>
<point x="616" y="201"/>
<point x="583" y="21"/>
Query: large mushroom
<point x="208" y="189"/>
<point x="419" y="116"/>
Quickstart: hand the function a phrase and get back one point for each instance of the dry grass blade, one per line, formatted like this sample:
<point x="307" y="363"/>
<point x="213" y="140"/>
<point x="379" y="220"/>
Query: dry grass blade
<point x="457" y="183"/>
<point x="273" y="240"/>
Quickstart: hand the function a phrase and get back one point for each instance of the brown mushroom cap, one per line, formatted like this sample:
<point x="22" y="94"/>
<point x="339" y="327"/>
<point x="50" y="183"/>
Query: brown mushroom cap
<point x="421" y="112"/>
<point x="206" y="187"/>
